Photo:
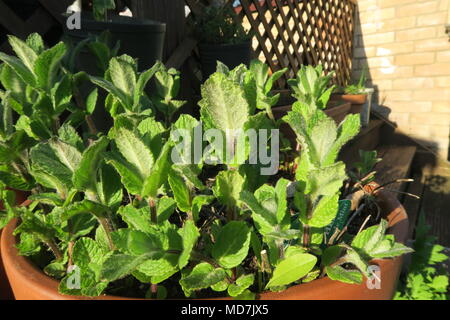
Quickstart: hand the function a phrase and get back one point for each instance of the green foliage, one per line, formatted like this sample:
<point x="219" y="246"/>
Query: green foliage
<point x="38" y="92"/>
<point x="291" y="269"/>
<point x="217" y="25"/>
<point x="126" y="87"/>
<point x="358" y="88"/>
<point x="100" y="8"/>
<point x="116" y="209"/>
<point x="427" y="278"/>
<point x="167" y="89"/>
<point x="364" y="168"/>
<point x="311" y="87"/>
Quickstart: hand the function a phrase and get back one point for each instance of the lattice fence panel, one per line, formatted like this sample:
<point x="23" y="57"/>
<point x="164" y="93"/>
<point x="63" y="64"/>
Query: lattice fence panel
<point x="289" y="33"/>
<point x="46" y="15"/>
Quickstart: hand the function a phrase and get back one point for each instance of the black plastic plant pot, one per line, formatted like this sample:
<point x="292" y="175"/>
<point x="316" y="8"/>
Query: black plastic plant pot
<point x="231" y="55"/>
<point x="140" y="38"/>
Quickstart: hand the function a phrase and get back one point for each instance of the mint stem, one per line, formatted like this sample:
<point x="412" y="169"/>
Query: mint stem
<point x="153" y="212"/>
<point x="106" y="226"/>
<point x="54" y="248"/>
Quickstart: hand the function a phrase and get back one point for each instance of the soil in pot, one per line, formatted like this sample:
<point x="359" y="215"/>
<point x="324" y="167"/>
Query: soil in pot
<point x="29" y="282"/>
<point x="5" y="288"/>
<point x="231" y="55"/>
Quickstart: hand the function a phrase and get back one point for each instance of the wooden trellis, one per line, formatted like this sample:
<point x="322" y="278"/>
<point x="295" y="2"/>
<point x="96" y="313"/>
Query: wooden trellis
<point x="47" y="14"/>
<point x="289" y="33"/>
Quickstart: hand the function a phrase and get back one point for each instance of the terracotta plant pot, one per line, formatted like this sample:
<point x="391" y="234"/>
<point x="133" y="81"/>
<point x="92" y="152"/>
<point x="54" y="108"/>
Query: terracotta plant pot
<point x="5" y="288"/>
<point x="356" y="100"/>
<point x="30" y="283"/>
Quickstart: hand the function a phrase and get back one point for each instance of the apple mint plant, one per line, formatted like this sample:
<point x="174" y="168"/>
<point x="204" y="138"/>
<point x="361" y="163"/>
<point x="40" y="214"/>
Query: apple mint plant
<point x="311" y="86"/>
<point x="138" y="213"/>
<point x="38" y="102"/>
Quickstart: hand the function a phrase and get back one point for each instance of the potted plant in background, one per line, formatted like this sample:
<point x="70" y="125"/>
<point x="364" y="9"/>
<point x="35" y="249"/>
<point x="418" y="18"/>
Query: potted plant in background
<point x="221" y="37"/>
<point x="356" y="94"/>
<point x="117" y="215"/>
<point x="140" y="38"/>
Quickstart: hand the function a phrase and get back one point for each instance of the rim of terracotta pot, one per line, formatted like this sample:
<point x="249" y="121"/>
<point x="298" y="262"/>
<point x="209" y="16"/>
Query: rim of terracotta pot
<point x="20" y="268"/>
<point x="355" y="98"/>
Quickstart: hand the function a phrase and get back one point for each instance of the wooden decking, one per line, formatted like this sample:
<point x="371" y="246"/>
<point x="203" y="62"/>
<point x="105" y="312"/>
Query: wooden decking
<point x="432" y="184"/>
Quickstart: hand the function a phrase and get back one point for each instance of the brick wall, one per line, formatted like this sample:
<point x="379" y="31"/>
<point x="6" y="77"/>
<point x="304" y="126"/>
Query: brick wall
<point x="406" y="49"/>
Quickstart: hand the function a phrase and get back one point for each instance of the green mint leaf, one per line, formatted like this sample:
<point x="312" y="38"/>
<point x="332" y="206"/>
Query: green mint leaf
<point x="223" y="105"/>
<point x="91" y="101"/>
<point x="47" y="66"/>
<point x="130" y="176"/>
<point x="394" y="250"/>
<point x="347" y="276"/>
<point x="326" y="181"/>
<point x="15" y="181"/>
<point x="156" y="271"/>
<point x="134" y="150"/>
<point x="323" y="213"/>
<point x="113" y="90"/>
<point x="88" y="254"/>
<point x="165" y="208"/>
<point x="85" y="174"/>
<point x="48" y="170"/>
<point x="28" y="244"/>
<point x="281" y="197"/>
<point x="369" y="238"/>
<point x="159" y="172"/>
<point x="26" y="54"/>
<point x="232" y="244"/>
<point x="246" y="295"/>
<point x="138" y="243"/>
<point x="292" y="269"/>
<point x="19" y="68"/>
<point x="123" y="75"/>
<point x="189" y="233"/>
<point x="331" y="254"/>
<point x="348" y="129"/>
<point x="358" y="261"/>
<point x="242" y="284"/>
<point x="81" y="225"/>
<point x="228" y="186"/>
<point x="69" y="135"/>
<point x="67" y="154"/>
<point x="85" y="206"/>
<point x="108" y="186"/>
<point x="138" y="219"/>
<point x="202" y="276"/>
<point x="181" y="192"/>
<point x="265" y="220"/>
<point x="118" y="266"/>
<point x="142" y="81"/>
<point x="61" y="94"/>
